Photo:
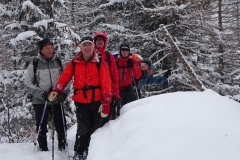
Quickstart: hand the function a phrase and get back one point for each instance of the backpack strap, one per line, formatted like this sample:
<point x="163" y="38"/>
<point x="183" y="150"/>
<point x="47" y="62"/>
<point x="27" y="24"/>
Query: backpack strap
<point x="73" y="68"/>
<point x="108" y="58"/>
<point x="59" y="62"/>
<point x="35" y="65"/>
<point x="89" y="87"/>
<point x="116" y="59"/>
<point x="98" y="63"/>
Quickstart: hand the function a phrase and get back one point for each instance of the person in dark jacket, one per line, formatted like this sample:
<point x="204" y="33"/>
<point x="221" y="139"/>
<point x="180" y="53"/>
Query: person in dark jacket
<point x="47" y="73"/>
<point x="149" y="78"/>
<point x="100" y="41"/>
<point x="129" y="70"/>
<point x="92" y="93"/>
<point x="144" y="64"/>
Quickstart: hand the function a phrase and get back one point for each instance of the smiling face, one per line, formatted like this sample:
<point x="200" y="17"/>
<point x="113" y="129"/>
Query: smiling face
<point x="144" y="66"/>
<point x="47" y="51"/>
<point x="87" y="49"/>
<point x="150" y="71"/>
<point x="125" y="52"/>
<point x="99" y="41"/>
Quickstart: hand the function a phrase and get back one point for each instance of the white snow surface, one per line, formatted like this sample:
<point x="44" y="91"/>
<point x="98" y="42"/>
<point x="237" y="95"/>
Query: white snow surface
<point x="171" y="126"/>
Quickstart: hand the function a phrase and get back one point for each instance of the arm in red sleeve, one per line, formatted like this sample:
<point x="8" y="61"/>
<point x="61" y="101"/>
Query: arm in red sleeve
<point x="106" y="87"/>
<point x="65" y="77"/>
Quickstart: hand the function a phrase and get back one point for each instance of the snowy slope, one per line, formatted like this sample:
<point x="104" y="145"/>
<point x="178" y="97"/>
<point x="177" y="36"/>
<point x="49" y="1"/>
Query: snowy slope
<point x="174" y="126"/>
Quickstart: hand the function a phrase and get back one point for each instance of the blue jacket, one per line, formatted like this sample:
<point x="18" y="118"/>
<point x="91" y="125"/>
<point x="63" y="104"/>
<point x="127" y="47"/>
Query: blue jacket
<point x="150" y="80"/>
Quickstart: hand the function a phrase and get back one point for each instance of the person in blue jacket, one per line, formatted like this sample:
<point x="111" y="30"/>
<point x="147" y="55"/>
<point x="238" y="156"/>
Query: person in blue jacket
<point x="149" y="78"/>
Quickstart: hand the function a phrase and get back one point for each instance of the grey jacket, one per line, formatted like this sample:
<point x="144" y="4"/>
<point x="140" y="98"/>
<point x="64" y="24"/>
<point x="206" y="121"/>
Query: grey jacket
<point x="47" y="76"/>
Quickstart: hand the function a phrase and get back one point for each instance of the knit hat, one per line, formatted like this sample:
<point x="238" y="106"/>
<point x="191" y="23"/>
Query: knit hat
<point x="43" y="42"/>
<point x="86" y="39"/>
<point x="152" y="67"/>
<point x="125" y="46"/>
<point x="147" y="61"/>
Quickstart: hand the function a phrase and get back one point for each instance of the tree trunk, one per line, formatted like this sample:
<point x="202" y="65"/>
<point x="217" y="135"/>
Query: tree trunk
<point x="179" y="54"/>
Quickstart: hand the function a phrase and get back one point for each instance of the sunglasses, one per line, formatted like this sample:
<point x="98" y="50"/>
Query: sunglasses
<point x="124" y="49"/>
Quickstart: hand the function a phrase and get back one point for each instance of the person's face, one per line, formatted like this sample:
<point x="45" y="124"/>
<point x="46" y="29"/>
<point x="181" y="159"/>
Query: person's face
<point x="150" y="71"/>
<point x="87" y="49"/>
<point x="99" y="42"/>
<point x="144" y="66"/>
<point x="47" y="51"/>
<point x="125" y="52"/>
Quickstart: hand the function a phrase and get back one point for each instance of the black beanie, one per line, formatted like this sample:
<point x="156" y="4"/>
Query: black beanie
<point x="148" y="62"/>
<point x="43" y="42"/>
<point x="124" y="45"/>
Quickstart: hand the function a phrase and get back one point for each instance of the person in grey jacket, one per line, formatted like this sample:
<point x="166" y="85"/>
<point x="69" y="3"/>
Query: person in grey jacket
<point x="47" y="73"/>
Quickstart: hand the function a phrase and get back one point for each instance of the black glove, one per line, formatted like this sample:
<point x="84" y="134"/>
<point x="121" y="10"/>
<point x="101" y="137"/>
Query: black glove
<point x="61" y="98"/>
<point x="116" y="101"/>
<point x="116" y="104"/>
<point x="168" y="73"/>
<point x="45" y="96"/>
<point x="130" y="63"/>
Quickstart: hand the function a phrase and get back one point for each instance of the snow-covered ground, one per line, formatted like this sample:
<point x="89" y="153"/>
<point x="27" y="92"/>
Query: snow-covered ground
<point x="173" y="126"/>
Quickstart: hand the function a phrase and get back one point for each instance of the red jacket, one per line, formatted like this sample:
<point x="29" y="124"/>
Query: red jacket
<point x="87" y="74"/>
<point x="125" y="72"/>
<point x="112" y="67"/>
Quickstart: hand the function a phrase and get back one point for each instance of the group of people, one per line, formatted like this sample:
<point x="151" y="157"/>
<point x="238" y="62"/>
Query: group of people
<point x="102" y="84"/>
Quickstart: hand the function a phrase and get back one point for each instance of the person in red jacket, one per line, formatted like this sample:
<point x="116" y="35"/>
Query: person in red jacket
<point x="92" y="92"/>
<point x="100" y="40"/>
<point x="128" y="70"/>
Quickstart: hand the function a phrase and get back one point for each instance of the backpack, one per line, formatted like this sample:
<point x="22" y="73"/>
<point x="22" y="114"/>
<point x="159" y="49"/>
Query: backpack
<point x="35" y="65"/>
<point x="116" y="59"/>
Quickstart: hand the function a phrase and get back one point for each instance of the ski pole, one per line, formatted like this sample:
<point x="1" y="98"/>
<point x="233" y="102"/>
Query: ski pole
<point x="135" y="86"/>
<point x="65" y="128"/>
<point x="40" y="125"/>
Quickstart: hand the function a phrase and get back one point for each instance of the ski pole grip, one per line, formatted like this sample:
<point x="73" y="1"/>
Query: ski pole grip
<point x="52" y="96"/>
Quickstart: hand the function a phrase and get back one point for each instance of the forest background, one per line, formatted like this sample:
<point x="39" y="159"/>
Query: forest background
<point x="205" y="35"/>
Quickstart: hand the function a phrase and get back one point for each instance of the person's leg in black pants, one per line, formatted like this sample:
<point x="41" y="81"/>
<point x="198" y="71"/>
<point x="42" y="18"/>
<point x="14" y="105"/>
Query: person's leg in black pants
<point x="58" y="121"/>
<point x="42" y="138"/>
<point x="128" y="95"/>
<point x="88" y="120"/>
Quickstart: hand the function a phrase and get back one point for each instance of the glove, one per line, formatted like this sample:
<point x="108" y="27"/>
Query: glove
<point x="55" y="92"/>
<point x="104" y="109"/>
<point x="61" y="97"/>
<point x="168" y="73"/>
<point x="116" y="101"/>
<point x="130" y="63"/>
<point x="52" y="95"/>
<point x="45" y="96"/>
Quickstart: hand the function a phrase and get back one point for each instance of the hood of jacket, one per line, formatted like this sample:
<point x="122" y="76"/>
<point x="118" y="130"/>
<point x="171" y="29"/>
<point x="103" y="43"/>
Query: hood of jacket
<point x="101" y="34"/>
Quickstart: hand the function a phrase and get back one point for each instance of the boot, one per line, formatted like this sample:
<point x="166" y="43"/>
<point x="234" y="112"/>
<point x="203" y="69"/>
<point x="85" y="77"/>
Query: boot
<point x="42" y="141"/>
